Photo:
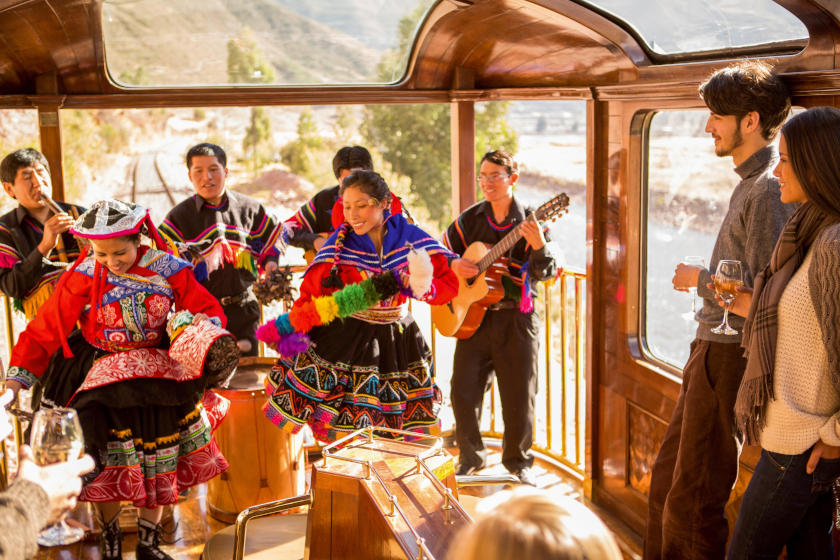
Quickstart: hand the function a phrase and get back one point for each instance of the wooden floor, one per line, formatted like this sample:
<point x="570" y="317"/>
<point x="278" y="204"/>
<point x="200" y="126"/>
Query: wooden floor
<point x="193" y="525"/>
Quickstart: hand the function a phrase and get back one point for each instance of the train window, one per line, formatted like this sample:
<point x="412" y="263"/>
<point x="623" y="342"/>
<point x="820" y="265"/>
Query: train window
<point x="18" y="129"/>
<point x="249" y="42"/>
<point x="670" y="27"/>
<point x="687" y="195"/>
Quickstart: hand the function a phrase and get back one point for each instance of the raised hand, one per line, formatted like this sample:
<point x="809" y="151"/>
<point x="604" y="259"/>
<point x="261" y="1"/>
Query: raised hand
<point x="55" y="226"/>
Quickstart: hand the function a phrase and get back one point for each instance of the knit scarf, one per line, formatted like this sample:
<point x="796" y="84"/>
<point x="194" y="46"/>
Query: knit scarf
<point x="761" y="327"/>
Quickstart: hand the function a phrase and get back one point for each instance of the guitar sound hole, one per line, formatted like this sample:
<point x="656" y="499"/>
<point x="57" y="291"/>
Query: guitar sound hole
<point x="470" y="281"/>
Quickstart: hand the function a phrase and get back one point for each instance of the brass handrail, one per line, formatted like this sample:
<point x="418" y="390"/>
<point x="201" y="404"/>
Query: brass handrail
<point x="262" y="510"/>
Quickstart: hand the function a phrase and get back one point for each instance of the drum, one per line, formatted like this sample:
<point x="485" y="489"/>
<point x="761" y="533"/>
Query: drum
<point x="266" y="463"/>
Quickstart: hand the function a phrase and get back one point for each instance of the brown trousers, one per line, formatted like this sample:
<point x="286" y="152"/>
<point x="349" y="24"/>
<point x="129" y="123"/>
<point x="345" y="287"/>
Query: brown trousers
<point x="698" y="461"/>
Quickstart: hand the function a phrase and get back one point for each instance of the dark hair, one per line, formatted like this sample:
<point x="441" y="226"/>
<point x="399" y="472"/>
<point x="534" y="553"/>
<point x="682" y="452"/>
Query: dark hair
<point x="746" y="86"/>
<point x="501" y="157"/>
<point x="351" y="157"/>
<point x="206" y="149"/>
<point x="369" y="182"/>
<point x="25" y="157"/>
<point x="812" y="138"/>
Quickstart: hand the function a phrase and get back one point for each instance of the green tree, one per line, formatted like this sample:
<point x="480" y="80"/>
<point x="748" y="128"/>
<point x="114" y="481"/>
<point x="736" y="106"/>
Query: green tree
<point x="257" y="138"/>
<point x="245" y="65"/>
<point x="415" y="139"/>
<point x="306" y="154"/>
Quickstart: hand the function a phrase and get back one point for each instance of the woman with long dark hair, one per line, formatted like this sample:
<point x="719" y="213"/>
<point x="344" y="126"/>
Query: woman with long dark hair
<point x="789" y="400"/>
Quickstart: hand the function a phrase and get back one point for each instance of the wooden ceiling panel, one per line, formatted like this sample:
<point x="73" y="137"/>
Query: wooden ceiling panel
<point x="24" y="44"/>
<point x="42" y="37"/>
<point x="502" y="44"/>
<point x="515" y="43"/>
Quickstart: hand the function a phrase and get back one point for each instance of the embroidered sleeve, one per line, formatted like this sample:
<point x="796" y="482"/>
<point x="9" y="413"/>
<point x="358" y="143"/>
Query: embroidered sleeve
<point x="170" y="231"/>
<point x="454" y="237"/>
<point x="22" y="376"/>
<point x="262" y="237"/>
<point x="44" y="334"/>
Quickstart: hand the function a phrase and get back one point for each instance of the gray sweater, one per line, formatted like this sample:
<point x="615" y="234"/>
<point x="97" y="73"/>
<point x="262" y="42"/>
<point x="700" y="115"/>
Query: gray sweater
<point x="749" y="232"/>
<point x="24" y="507"/>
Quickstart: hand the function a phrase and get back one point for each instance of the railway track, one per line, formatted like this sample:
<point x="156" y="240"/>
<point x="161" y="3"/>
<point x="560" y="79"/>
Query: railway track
<point x="150" y="185"/>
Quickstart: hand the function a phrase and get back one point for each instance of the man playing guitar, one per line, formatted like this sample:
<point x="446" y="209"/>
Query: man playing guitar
<point x="507" y="341"/>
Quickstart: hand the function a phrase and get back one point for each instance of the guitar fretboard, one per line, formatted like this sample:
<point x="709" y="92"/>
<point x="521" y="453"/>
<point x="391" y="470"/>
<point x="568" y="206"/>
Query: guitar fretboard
<point x="499" y="249"/>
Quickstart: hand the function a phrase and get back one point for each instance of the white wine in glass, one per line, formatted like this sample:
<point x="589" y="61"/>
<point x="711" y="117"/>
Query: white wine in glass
<point x="57" y="437"/>
<point x="728" y="278"/>
<point x="693" y="260"/>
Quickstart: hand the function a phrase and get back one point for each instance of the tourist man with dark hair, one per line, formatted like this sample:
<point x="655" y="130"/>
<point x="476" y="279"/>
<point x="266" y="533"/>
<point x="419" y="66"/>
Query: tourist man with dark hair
<point x="698" y="460"/>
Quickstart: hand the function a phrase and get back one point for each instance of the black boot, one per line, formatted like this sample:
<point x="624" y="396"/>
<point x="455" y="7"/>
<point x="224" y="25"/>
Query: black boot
<point x="148" y="541"/>
<point x="110" y="539"/>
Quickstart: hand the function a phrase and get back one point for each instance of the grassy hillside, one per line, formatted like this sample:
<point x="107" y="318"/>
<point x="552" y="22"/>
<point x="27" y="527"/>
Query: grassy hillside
<point x="374" y="22"/>
<point x="169" y="42"/>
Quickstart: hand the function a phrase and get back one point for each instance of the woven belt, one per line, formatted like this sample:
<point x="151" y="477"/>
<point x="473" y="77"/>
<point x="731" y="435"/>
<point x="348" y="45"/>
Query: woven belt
<point x="382" y="315"/>
<point x="238" y="298"/>
<point x="504" y="304"/>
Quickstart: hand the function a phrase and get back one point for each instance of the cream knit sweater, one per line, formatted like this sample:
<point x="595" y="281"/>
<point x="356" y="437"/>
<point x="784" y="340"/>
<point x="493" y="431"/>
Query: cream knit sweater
<point x="806" y="405"/>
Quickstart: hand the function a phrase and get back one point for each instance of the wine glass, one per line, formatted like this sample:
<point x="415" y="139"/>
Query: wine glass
<point x="728" y="278"/>
<point x="693" y="260"/>
<point x="57" y="436"/>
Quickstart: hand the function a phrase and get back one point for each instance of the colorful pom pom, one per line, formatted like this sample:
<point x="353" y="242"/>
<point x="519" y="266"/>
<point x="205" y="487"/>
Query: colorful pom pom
<point x="304" y="317"/>
<point x="283" y="325"/>
<point x="350" y="299"/>
<point x="420" y="272"/>
<point x="292" y="344"/>
<point x="371" y="295"/>
<point x="327" y="308"/>
<point x="268" y="333"/>
<point x="386" y="284"/>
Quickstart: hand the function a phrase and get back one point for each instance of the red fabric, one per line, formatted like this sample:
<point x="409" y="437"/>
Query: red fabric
<point x="43" y="335"/>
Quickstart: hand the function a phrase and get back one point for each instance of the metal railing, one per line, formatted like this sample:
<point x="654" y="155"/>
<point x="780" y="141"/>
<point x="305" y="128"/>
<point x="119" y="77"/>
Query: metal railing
<point x="563" y="373"/>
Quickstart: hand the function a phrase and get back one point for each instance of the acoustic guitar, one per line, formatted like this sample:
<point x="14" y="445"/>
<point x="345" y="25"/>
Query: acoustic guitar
<point x="462" y="316"/>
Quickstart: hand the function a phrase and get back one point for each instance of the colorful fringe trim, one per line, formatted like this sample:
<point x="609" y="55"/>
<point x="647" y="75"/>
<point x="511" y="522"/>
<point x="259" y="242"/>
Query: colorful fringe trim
<point x="34" y="301"/>
<point x="287" y="332"/>
<point x="221" y="254"/>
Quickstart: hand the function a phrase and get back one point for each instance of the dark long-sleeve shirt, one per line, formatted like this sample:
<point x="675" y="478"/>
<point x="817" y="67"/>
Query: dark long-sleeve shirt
<point x="233" y="239"/>
<point x="476" y="223"/>
<point x="313" y="218"/>
<point x="24" y="507"/>
<point x="24" y="271"/>
<point x="749" y="232"/>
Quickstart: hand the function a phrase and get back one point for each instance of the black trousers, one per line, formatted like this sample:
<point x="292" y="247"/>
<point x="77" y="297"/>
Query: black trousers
<point x="507" y="344"/>
<point x="242" y="321"/>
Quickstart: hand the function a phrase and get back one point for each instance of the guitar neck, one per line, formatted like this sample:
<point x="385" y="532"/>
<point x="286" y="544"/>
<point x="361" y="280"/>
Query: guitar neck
<point x="499" y="249"/>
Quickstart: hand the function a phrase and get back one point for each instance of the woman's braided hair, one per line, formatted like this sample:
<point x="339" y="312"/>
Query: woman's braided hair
<point x="334" y="279"/>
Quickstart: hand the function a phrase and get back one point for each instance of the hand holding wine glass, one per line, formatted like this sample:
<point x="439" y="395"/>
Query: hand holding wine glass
<point x="57" y="438"/>
<point x="61" y="481"/>
<point x="728" y="278"/>
<point x="696" y="262"/>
